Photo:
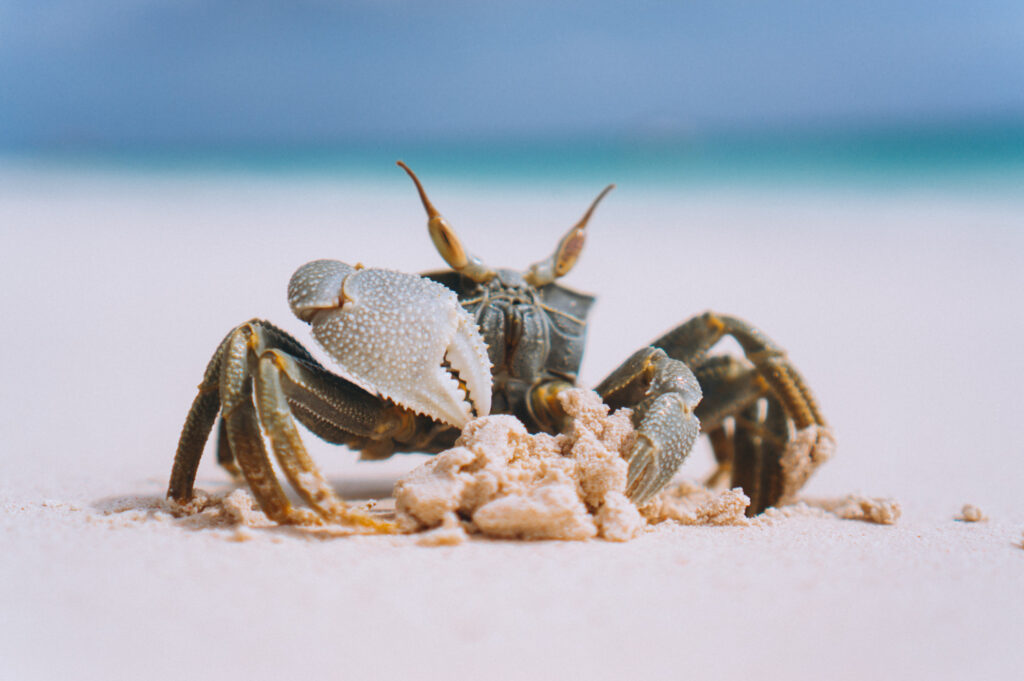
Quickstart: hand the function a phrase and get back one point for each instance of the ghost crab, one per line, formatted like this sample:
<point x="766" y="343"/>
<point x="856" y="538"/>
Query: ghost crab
<point x="421" y="355"/>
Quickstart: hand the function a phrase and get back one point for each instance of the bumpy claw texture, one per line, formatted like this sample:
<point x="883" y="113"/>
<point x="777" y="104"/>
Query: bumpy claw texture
<point x="398" y="335"/>
<point x="667" y="429"/>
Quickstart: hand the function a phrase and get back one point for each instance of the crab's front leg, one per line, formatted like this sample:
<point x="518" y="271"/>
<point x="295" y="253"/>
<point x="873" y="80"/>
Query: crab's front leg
<point x="663" y="393"/>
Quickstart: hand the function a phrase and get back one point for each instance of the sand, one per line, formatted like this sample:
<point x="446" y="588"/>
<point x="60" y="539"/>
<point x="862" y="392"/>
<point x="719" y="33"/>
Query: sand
<point x="972" y="514"/>
<point x="897" y="306"/>
<point x="505" y="483"/>
<point x="500" y="481"/>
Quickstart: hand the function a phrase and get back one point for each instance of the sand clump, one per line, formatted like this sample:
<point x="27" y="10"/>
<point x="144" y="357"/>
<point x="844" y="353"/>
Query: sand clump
<point x="501" y="481"/>
<point x="878" y="510"/>
<point x="971" y="514"/>
<point x="691" y="504"/>
<point x="810" y="447"/>
<point x="870" y="509"/>
<point x="235" y="510"/>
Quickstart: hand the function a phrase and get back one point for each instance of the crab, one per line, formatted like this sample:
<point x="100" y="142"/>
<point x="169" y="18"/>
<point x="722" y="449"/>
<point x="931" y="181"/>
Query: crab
<point x="419" y="356"/>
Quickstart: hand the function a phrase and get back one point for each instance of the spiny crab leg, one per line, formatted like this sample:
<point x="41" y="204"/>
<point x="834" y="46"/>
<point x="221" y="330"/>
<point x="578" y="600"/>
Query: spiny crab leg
<point x="397" y="335"/>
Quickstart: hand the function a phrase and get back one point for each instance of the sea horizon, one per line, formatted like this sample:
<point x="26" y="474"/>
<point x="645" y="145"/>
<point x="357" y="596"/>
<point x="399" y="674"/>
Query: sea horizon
<point x="873" y="159"/>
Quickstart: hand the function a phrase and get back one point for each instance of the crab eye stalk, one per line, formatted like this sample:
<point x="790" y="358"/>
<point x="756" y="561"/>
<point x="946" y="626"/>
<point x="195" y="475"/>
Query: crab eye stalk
<point x="446" y="242"/>
<point x="568" y="251"/>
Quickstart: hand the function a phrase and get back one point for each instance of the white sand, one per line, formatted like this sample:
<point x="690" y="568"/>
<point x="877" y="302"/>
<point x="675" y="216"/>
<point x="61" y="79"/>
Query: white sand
<point x="902" y="310"/>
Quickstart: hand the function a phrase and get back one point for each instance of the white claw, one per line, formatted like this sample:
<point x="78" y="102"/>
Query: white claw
<point x="403" y="337"/>
<point x="467" y="355"/>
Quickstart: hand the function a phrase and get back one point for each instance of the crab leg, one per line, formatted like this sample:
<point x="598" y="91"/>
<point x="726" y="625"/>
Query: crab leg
<point x="259" y="362"/>
<point x="690" y="342"/>
<point x="729" y="384"/>
<point x="765" y="426"/>
<point x="761" y="440"/>
<point x="279" y="339"/>
<point x="748" y="429"/>
<point x="273" y="337"/>
<point x="196" y="430"/>
<point x="228" y="387"/>
<point x="277" y="420"/>
<point x="225" y="458"/>
<point x="242" y="425"/>
<point x="275" y="369"/>
<point x="663" y="393"/>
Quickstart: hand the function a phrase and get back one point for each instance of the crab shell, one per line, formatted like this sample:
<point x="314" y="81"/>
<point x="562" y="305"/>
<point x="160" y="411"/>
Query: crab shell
<point x="397" y="335"/>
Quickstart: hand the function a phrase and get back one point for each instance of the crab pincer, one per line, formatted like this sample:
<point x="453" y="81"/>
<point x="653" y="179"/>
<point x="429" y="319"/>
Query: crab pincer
<point x="397" y="335"/>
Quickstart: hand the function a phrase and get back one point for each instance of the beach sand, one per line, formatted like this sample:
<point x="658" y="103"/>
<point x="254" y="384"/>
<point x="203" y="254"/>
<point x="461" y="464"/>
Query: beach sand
<point x="901" y="307"/>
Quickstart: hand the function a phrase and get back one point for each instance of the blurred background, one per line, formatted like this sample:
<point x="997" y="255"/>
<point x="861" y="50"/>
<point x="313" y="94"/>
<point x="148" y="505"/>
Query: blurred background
<point x="656" y="90"/>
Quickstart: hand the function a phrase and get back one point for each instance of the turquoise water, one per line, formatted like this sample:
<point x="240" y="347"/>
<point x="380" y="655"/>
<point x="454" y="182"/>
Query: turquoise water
<point x="983" y="157"/>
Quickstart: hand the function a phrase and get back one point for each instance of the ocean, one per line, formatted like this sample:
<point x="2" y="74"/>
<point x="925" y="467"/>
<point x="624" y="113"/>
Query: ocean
<point x="973" y="158"/>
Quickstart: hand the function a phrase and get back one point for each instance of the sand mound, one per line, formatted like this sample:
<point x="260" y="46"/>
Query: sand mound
<point x="501" y="481"/>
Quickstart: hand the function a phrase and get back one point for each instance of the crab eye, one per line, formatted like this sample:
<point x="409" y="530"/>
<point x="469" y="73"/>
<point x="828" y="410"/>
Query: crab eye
<point x="568" y="250"/>
<point x="446" y="242"/>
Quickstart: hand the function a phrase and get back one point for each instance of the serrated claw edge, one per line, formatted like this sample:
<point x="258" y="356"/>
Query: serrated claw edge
<point x="467" y="355"/>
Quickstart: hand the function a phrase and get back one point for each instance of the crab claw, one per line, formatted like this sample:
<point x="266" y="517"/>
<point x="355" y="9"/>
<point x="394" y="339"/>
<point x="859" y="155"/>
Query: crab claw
<point x="398" y="335"/>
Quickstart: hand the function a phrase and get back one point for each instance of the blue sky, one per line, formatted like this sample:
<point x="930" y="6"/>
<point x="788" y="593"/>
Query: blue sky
<point x="225" y="72"/>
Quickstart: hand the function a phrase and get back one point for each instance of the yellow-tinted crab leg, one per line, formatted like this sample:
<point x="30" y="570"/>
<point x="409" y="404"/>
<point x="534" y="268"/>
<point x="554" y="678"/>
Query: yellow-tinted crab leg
<point x="298" y="467"/>
<point x="760" y="441"/>
<point x="778" y="435"/>
<point x="243" y="427"/>
<point x="228" y="387"/>
<point x="225" y="457"/>
<point x="259" y="362"/>
<point x="748" y="428"/>
<point x="208" y="403"/>
<point x="729" y="384"/>
<point x="690" y="342"/>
